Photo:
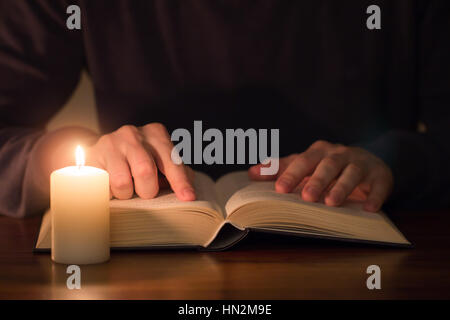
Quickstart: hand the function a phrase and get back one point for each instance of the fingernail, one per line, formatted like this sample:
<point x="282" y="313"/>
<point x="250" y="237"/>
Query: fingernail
<point x="371" y="206"/>
<point x="313" y="192"/>
<point x="188" y="194"/>
<point x="336" y="197"/>
<point x="253" y="171"/>
<point x="284" y="184"/>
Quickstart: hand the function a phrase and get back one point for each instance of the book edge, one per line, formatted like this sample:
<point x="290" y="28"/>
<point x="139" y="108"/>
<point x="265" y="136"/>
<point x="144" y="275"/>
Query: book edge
<point x="334" y="238"/>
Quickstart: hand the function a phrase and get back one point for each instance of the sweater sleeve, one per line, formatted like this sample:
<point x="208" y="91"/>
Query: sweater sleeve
<point x="420" y="161"/>
<point x="40" y="64"/>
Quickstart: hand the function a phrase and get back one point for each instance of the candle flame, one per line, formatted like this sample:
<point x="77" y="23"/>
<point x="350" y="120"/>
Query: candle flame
<point x="79" y="156"/>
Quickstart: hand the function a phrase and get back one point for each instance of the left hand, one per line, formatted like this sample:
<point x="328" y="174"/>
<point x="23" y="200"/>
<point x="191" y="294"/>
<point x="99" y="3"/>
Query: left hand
<point x="335" y="172"/>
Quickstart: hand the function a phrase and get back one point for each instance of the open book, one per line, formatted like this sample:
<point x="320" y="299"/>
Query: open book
<point x="226" y="210"/>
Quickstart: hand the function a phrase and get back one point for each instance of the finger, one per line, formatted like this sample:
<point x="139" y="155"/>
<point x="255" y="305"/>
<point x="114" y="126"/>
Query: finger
<point x="144" y="171"/>
<point x="301" y="166"/>
<point x="350" y="178"/>
<point x="190" y="173"/>
<point x="254" y="172"/>
<point x="119" y="176"/>
<point x="176" y="175"/>
<point x="379" y="191"/>
<point x="98" y="161"/>
<point x="326" y="171"/>
<point x="161" y="147"/>
<point x="163" y="183"/>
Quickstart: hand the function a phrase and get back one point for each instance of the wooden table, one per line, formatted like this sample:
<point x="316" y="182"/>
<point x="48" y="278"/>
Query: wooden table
<point x="261" y="267"/>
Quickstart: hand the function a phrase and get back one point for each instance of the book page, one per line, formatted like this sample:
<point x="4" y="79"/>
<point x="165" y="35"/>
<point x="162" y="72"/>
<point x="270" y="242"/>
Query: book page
<point x="161" y="221"/>
<point x="259" y="206"/>
<point x="228" y="184"/>
<point x="257" y="191"/>
<point x="205" y="198"/>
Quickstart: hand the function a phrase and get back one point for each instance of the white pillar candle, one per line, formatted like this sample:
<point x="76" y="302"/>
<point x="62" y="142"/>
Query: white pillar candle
<point x="79" y="203"/>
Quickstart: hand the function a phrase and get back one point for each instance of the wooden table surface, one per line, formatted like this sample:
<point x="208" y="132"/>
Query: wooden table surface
<point x="261" y="267"/>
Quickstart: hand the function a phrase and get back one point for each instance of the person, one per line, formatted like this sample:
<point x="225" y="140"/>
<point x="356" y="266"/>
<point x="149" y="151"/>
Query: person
<point x="347" y="99"/>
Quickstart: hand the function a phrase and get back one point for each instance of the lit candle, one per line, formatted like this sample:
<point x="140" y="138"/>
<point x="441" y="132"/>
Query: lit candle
<point x="79" y="201"/>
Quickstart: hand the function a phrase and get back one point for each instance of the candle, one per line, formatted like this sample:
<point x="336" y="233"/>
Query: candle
<point x="79" y="203"/>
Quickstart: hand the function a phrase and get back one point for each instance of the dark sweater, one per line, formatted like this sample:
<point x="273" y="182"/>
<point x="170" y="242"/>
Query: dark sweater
<point x="311" y="68"/>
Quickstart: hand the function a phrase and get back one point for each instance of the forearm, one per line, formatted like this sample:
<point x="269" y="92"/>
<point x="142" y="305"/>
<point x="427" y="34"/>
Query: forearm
<point x="27" y="159"/>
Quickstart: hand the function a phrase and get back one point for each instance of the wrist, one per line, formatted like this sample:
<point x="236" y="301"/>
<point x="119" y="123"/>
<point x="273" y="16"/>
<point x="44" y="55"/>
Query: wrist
<point x="55" y="150"/>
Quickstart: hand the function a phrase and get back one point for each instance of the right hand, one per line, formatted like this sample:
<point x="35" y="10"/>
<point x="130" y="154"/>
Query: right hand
<point x="133" y="156"/>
